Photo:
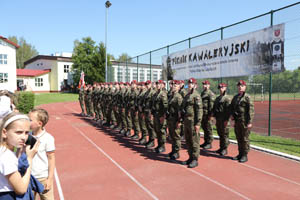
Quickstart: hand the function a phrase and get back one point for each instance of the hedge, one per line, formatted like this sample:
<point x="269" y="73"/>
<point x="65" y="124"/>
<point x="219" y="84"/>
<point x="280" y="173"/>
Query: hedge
<point x="25" y="102"/>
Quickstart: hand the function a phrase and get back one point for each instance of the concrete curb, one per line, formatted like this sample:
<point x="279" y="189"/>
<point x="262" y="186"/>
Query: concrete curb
<point x="277" y="153"/>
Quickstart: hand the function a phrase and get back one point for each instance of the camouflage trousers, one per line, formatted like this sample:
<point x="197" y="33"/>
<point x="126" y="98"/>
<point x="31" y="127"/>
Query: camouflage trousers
<point x="242" y="135"/>
<point x="135" y="121"/>
<point x="87" y="107"/>
<point x="160" y="129"/>
<point x="223" y="133"/>
<point x="142" y="124"/>
<point x="207" y="128"/>
<point x="81" y="102"/>
<point x="150" y="125"/>
<point x="192" y="139"/>
<point x="123" y="118"/>
<point x="175" y="134"/>
<point x="128" y="119"/>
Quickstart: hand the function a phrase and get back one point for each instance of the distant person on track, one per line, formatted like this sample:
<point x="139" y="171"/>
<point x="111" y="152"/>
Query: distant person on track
<point x="242" y="112"/>
<point x="221" y="111"/>
<point x="14" y="131"/>
<point x="44" y="163"/>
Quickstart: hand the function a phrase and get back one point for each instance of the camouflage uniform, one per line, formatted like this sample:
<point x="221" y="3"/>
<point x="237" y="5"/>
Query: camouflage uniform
<point x="221" y="111"/>
<point x="81" y="100"/>
<point x="147" y="105"/>
<point x="208" y="98"/>
<point x="192" y="112"/>
<point x="141" y="115"/>
<point x="242" y="111"/>
<point x="175" y="102"/>
<point x="134" y="112"/>
<point x="160" y="107"/>
<point x="127" y="111"/>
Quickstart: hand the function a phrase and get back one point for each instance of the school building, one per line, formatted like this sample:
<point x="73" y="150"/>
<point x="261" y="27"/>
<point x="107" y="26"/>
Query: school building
<point x="132" y="71"/>
<point x="47" y="73"/>
<point x="8" y="64"/>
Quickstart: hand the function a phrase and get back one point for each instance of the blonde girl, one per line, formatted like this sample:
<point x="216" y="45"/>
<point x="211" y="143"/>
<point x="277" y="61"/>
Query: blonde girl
<point x="14" y="131"/>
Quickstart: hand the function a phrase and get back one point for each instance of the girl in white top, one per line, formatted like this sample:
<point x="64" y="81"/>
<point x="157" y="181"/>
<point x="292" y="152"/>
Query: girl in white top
<point x="14" y="131"/>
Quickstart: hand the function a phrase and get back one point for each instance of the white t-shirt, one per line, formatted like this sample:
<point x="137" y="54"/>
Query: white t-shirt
<point x="40" y="160"/>
<point x="8" y="165"/>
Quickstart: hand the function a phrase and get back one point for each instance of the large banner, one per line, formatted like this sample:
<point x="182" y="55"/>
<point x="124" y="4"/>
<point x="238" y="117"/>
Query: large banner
<point x="253" y="53"/>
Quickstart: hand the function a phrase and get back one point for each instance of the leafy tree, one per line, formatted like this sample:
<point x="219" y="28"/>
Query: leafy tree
<point x="25" y="52"/>
<point x="124" y="57"/>
<point x="89" y="58"/>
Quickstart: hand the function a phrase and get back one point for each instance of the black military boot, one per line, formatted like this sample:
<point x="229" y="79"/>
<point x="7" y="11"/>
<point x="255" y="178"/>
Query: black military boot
<point x="143" y="140"/>
<point x="223" y="152"/>
<point x="150" y="144"/>
<point x="175" y="156"/>
<point x="207" y="146"/>
<point x="135" y="136"/>
<point x="238" y="157"/>
<point x="219" y="151"/>
<point x="127" y="133"/>
<point x="193" y="164"/>
<point x="243" y="159"/>
<point x="203" y="144"/>
<point x="160" y="149"/>
<point x="187" y="162"/>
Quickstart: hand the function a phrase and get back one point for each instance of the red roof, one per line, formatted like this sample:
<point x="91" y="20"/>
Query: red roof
<point x="31" y="72"/>
<point x="8" y="41"/>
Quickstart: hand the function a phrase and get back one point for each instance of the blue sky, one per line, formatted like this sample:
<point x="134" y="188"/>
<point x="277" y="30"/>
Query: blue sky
<point x="134" y="26"/>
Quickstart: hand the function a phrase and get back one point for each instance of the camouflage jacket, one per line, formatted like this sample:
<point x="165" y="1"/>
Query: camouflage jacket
<point x="242" y="108"/>
<point x="191" y="108"/>
<point x="221" y="108"/>
<point x="208" y="98"/>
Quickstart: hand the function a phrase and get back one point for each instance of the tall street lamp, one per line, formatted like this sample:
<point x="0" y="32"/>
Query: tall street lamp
<point x="107" y="5"/>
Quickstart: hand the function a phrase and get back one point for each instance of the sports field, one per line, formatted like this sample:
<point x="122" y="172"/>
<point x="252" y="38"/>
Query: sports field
<point x="285" y="121"/>
<point x="96" y="163"/>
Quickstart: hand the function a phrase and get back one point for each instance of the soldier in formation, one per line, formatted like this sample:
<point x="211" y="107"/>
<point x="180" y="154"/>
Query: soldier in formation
<point x="145" y="112"/>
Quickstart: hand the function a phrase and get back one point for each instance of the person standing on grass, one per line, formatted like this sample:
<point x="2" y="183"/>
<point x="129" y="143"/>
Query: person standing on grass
<point x="242" y="112"/>
<point x="221" y="111"/>
<point x="43" y="163"/>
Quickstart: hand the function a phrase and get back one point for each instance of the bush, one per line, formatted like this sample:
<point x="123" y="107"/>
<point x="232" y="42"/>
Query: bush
<point x="25" y="102"/>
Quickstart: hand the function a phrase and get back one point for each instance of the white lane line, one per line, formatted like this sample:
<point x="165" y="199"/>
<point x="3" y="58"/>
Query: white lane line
<point x="113" y="161"/>
<point x="271" y="174"/>
<point x="59" y="189"/>
<point x="219" y="184"/>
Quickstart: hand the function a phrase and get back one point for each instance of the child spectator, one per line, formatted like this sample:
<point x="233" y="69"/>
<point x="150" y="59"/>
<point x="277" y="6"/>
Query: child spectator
<point x="14" y="131"/>
<point x="43" y="163"/>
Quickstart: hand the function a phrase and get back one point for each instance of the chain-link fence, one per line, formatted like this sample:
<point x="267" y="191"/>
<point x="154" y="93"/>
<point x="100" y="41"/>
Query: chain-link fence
<point x="265" y="88"/>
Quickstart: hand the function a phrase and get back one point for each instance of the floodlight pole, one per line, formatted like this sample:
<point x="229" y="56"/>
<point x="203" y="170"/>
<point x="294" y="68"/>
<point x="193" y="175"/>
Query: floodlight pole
<point x="107" y="5"/>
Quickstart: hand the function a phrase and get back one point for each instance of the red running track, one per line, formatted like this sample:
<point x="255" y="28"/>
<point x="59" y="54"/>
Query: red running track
<point x="93" y="163"/>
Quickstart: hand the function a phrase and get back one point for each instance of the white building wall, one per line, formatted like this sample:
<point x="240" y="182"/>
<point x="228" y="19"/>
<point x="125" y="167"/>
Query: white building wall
<point x="61" y="75"/>
<point x="131" y="69"/>
<point x="10" y="68"/>
<point x="30" y="83"/>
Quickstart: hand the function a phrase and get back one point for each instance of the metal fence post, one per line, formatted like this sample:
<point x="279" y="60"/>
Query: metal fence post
<point x="150" y="67"/>
<point x="270" y="91"/>
<point x="137" y="68"/>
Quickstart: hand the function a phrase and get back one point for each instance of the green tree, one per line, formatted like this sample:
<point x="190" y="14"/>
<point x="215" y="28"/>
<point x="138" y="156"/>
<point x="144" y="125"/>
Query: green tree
<point x="124" y="57"/>
<point x="25" y="52"/>
<point x="89" y="58"/>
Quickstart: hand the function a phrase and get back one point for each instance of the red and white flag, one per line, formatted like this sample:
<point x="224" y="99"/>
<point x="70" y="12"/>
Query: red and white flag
<point x="81" y="81"/>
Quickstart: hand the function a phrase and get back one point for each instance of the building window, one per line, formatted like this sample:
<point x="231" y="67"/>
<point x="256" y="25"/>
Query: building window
<point x="3" y="77"/>
<point x="148" y="75"/>
<point x="155" y="75"/>
<point x="38" y="82"/>
<point x="3" y="59"/>
<point x="66" y="69"/>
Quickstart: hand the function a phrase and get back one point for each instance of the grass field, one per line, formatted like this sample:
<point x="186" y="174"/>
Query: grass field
<point x="46" y="98"/>
<point x="276" y="143"/>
